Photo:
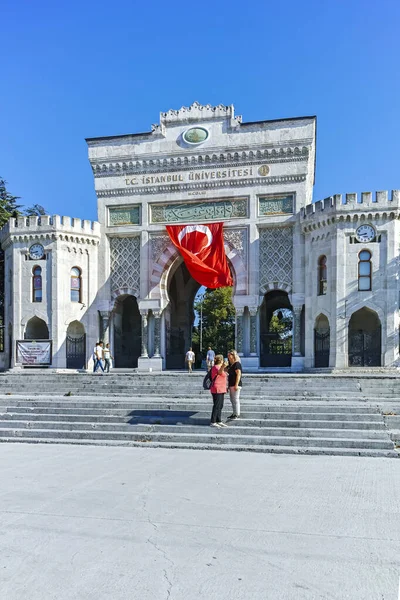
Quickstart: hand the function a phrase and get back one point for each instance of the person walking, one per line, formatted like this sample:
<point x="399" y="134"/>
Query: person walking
<point x="234" y="383"/>
<point x="190" y="357"/>
<point x="98" y="357"/>
<point x="218" y="389"/>
<point x="107" y="358"/>
<point x="210" y="358"/>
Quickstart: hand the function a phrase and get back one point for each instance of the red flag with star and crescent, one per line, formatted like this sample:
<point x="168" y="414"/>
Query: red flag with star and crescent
<point x="202" y="249"/>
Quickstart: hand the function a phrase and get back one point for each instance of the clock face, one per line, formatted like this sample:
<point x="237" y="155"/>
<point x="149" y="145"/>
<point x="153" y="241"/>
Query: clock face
<point x="365" y="233"/>
<point x="36" y="251"/>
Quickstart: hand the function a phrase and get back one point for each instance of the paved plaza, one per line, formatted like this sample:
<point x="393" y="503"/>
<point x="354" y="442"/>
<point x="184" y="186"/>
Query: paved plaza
<point x="111" y="523"/>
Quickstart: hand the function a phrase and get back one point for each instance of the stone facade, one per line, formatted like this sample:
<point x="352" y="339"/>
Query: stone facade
<point x="296" y="265"/>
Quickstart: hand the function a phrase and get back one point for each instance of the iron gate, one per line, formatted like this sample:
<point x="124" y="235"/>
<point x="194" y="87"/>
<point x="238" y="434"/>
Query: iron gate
<point x="365" y="348"/>
<point x="275" y="351"/>
<point x="76" y="352"/>
<point x="322" y="342"/>
<point x="175" y="348"/>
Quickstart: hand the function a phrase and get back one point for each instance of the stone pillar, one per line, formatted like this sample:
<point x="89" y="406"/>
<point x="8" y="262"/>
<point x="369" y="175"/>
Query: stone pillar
<point x="296" y="350"/>
<point x="239" y="330"/>
<point x="157" y="332"/>
<point x="144" y="314"/>
<point x="253" y="331"/>
<point x="105" y="326"/>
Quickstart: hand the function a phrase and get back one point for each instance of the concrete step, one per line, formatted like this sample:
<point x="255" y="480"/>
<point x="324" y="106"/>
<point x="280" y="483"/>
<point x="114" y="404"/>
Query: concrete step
<point x="198" y="419"/>
<point x="168" y="405"/>
<point x="190" y="429"/>
<point x="214" y="437"/>
<point x="309" y="450"/>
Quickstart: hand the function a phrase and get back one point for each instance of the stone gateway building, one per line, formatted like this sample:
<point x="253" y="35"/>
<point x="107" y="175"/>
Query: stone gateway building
<point x="316" y="285"/>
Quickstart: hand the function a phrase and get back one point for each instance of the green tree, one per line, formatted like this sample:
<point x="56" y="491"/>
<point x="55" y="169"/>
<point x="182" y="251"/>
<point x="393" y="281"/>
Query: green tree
<point x="35" y="211"/>
<point x="218" y="321"/>
<point x="8" y="204"/>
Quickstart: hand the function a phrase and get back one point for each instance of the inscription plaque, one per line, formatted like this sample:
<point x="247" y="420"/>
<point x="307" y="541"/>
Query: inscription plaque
<point x="275" y="206"/>
<point x="124" y="215"/>
<point x="204" y="211"/>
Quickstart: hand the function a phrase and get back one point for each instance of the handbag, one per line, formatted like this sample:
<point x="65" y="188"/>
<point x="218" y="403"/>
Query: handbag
<point x="208" y="381"/>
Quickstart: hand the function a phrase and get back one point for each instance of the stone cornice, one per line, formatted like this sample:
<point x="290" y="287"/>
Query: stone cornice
<point x="127" y="165"/>
<point x="183" y="187"/>
<point x="49" y="237"/>
<point x="353" y="218"/>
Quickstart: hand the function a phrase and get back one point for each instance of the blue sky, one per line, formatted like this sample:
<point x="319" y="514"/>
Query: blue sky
<point x="85" y="69"/>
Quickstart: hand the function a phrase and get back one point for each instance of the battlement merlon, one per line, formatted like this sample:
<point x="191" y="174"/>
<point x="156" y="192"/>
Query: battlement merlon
<point x="352" y="202"/>
<point x="198" y="112"/>
<point x="47" y="224"/>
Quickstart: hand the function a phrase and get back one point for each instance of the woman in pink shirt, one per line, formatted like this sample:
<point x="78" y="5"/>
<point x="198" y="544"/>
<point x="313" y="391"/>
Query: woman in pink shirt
<point x="218" y="389"/>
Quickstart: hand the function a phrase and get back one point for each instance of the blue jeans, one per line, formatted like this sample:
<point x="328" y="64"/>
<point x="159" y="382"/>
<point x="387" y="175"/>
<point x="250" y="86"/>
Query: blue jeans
<point x="98" y="363"/>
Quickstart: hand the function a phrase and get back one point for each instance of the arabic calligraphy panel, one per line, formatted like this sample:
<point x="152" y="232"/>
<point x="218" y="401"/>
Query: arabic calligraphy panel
<point x="181" y="213"/>
<point x="124" y="215"/>
<point x="275" y="206"/>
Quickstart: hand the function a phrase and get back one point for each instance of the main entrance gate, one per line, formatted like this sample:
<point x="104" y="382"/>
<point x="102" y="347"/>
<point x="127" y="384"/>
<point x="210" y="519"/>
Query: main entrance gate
<point x="276" y="320"/>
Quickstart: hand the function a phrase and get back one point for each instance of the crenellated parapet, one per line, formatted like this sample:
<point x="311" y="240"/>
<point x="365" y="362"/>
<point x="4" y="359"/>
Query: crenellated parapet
<point x="351" y="207"/>
<point x="199" y="112"/>
<point x="49" y="227"/>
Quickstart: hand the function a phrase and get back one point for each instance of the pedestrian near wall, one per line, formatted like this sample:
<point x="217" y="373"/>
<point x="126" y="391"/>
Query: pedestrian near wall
<point x="210" y="358"/>
<point x="189" y="358"/>
<point x="218" y="389"/>
<point x="107" y="358"/>
<point x="98" y="361"/>
<point x="234" y="383"/>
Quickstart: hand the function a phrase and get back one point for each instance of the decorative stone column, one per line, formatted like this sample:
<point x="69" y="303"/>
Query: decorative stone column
<point x="253" y="331"/>
<point x="157" y="331"/>
<point x="239" y="330"/>
<point x="105" y="326"/>
<point x="144" y="314"/>
<point x="296" y="350"/>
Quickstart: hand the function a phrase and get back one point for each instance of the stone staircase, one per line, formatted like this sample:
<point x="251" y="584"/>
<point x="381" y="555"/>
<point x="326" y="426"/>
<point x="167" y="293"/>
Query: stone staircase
<point x="311" y="414"/>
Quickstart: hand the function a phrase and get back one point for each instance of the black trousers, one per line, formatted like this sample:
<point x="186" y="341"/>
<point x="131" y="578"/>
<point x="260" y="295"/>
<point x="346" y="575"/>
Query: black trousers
<point x="218" y="400"/>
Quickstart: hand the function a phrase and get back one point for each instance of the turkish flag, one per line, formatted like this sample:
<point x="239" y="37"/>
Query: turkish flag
<point x="202" y="249"/>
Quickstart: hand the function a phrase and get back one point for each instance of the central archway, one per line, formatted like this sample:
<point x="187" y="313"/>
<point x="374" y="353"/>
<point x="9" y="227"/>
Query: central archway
<point x="276" y="330"/>
<point x="179" y="315"/>
<point x="127" y="332"/>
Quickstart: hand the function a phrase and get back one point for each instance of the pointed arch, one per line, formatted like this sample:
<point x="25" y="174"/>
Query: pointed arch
<point x="161" y="271"/>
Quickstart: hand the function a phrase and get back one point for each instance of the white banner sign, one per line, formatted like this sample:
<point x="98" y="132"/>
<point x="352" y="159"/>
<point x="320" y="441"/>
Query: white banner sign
<point x="31" y="352"/>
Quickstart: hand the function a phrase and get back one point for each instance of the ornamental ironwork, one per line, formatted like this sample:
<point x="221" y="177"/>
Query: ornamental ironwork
<point x="276" y="255"/>
<point x="125" y="263"/>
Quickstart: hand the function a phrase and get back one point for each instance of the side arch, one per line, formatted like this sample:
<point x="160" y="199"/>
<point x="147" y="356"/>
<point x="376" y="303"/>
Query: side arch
<point x="36" y="329"/>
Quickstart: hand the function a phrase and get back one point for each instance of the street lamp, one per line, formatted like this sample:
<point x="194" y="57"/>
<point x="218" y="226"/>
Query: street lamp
<point x="201" y="324"/>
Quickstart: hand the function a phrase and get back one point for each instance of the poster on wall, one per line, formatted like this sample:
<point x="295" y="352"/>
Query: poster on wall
<point x="34" y="353"/>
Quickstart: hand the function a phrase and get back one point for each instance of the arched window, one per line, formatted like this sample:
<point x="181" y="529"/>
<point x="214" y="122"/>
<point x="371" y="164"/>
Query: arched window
<point x="36" y="284"/>
<point x="322" y="276"/>
<point x="76" y="285"/>
<point x="364" y="271"/>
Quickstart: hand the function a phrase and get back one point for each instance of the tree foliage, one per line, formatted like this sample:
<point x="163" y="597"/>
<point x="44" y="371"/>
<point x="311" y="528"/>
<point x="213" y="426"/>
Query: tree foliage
<point x="36" y="210"/>
<point x="10" y="208"/>
<point x="218" y="321"/>
<point x="8" y="204"/>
